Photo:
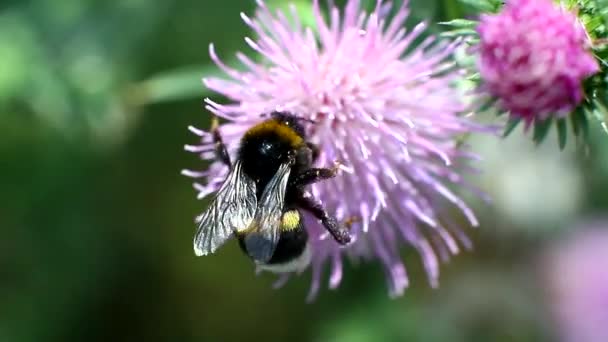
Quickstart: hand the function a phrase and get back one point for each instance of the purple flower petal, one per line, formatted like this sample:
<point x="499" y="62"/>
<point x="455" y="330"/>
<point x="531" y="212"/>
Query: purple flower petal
<point x="391" y="116"/>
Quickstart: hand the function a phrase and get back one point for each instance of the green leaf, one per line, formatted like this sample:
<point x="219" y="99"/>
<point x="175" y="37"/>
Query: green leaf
<point x="541" y="129"/>
<point x="487" y="104"/>
<point x="459" y="33"/>
<point x="579" y="122"/>
<point x="562" y="133"/>
<point x="476" y="77"/>
<point x="179" y="84"/>
<point x="584" y="125"/>
<point x="593" y="24"/>
<point x="460" y="23"/>
<point x="601" y="114"/>
<point x="303" y="8"/>
<point x="451" y="8"/>
<point x="481" y="5"/>
<point x="511" y="124"/>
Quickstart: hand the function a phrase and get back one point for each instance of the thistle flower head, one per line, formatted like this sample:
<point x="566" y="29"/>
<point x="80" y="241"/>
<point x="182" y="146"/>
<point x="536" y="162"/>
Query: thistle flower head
<point x="534" y="57"/>
<point x="577" y="278"/>
<point x="379" y="104"/>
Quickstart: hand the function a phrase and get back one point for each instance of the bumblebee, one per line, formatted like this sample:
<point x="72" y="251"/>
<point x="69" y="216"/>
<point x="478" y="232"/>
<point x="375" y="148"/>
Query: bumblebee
<point x="262" y="199"/>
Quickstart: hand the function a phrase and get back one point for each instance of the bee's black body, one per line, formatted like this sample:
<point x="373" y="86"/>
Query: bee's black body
<point x="272" y="152"/>
<point x="291" y="248"/>
<point x="264" y="148"/>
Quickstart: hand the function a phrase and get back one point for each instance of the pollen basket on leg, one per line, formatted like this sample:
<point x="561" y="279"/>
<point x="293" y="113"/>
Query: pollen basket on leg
<point x="290" y="220"/>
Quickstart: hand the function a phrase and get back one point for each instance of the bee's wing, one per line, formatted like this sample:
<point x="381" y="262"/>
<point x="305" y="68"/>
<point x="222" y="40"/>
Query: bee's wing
<point x="232" y="209"/>
<point x="263" y="233"/>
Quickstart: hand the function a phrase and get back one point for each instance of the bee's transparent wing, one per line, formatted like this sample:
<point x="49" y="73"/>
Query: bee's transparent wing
<point x="263" y="233"/>
<point x="232" y="209"/>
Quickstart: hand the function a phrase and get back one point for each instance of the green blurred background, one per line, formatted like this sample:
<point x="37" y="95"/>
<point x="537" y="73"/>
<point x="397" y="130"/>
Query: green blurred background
<point x="96" y="221"/>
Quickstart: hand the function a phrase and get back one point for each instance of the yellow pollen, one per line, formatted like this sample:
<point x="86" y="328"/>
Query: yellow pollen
<point x="290" y="220"/>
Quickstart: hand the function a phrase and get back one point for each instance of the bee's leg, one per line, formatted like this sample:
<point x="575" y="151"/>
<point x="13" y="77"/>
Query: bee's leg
<point x="314" y="149"/>
<point x="339" y="232"/>
<point x="221" y="151"/>
<point x="315" y="175"/>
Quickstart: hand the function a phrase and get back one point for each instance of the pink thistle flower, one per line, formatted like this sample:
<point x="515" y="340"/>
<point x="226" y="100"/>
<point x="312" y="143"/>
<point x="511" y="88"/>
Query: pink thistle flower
<point x="381" y="106"/>
<point x="534" y="56"/>
<point x="577" y="277"/>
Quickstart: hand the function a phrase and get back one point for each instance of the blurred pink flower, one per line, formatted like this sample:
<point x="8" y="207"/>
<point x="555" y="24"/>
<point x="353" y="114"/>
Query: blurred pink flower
<point x="381" y="105"/>
<point x="534" y="56"/>
<point x="576" y="272"/>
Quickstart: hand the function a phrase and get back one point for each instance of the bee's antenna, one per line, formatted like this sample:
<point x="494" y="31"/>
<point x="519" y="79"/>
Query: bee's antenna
<point x="306" y="119"/>
<point x="283" y="115"/>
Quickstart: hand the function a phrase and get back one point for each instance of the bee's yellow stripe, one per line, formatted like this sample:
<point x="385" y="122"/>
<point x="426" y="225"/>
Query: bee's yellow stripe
<point x="284" y="132"/>
<point x="289" y="221"/>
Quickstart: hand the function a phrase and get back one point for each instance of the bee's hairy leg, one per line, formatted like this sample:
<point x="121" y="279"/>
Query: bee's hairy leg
<point x="314" y="175"/>
<point x="340" y="233"/>
<point x="314" y="149"/>
<point x="221" y="152"/>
